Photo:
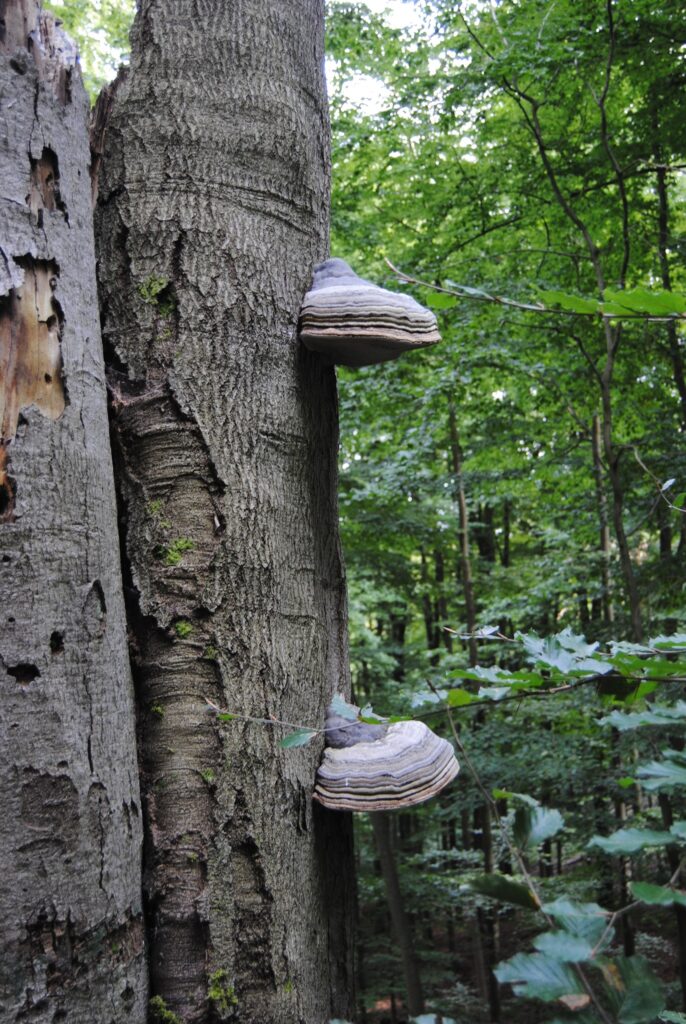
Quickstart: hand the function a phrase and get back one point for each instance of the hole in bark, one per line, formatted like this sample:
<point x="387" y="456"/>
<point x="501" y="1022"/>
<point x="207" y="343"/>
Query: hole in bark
<point x="56" y="642"/>
<point x="11" y="619"/>
<point x="6" y="558"/>
<point x="8" y="491"/>
<point x="48" y="378"/>
<point x="44" y="187"/>
<point x="18" y="66"/>
<point x="23" y="673"/>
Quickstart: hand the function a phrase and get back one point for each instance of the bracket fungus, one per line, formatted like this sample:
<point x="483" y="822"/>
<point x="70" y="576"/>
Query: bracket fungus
<point x="353" y="322"/>
<point x="380" y="767"/>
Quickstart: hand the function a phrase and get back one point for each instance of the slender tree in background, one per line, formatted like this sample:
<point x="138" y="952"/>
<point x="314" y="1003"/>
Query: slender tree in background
<point x="72" y="944"/>
<point x="212" y="211"/>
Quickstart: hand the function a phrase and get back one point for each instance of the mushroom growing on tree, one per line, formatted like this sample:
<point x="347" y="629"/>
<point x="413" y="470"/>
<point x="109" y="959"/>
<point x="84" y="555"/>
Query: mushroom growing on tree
<point x="353" y="322"/>
<point x="380" y="767"/>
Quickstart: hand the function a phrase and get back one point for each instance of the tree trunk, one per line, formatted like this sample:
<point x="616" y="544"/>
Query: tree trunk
<point x="673" y="859"/>
<point x="72" y="944"/>
<point x="465" y="559"/>
<point x="213" y="210"/>
<point x="399" y="919"/>
<point x="604" y="533"/>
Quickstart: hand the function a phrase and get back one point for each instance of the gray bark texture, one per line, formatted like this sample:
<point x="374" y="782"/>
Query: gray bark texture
<point x="72" y="936"/>
<point x="212" y="212"/>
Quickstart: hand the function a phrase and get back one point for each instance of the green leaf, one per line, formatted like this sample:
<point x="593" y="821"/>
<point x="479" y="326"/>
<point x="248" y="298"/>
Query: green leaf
<point x="640" y="300"/>
<point x="369" y="715"/>
<point x="494" y="693"/>
<point x="663" y="774"/>
<point x="644" y="998"/>
<point x="658" y="716"/>
<point x="224" y="716"/>
<point x="585" y="920"/>
<point x="631" y="840"/>
<point x="538" y="976"/>
<point x="298" y="738"/>
<point x="505" y="889"/>
<point x="533" y="825"/>
<point x="571" y="302"/>
<point x="672" y="1017"/>
<point x="657" y="895"/>
<point x="439" y="300"/>
<point x="563" y="946"/>
<point x="458" y="698"/>
<point x="340" y="706"/>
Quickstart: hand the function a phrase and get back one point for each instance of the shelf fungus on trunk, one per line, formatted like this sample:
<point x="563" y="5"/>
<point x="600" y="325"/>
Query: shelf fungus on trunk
<point x="353" y="322"/>
<point x="369" y="767"/>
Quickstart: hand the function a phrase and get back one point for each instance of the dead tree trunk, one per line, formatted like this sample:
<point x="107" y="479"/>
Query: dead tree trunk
<point x="212" y="211"/>
<point x="70" y="825"/>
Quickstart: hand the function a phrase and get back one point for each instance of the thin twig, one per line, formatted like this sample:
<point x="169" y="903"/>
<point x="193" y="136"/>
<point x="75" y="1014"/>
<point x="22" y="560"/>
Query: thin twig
<point x="659" y="486"/>
<point x="478" y="295"/>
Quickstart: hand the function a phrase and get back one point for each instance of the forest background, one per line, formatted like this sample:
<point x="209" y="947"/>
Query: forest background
<point x="512" y="502"/>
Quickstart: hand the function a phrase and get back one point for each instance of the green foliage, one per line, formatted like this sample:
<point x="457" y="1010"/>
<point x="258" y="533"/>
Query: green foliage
<point x="158" y="292"/>
<point x="101" y="32"/>
<point x="298" y="738"/>
<point x="183" y="628"/>
<point x="159" y="1013"/>
<point x="500" y="887"/>
<point x="176" y="550"/>
<point x="538" y="976"/>
<point x="221" y="993"/>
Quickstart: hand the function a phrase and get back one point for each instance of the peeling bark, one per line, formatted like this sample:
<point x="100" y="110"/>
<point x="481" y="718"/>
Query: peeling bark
<point x="72" y="945"/>
<point x="212" y="211"/>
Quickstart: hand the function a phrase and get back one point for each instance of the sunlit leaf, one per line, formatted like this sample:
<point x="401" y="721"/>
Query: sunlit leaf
<point x="533" y="825"/>
<point x="641" y="300"/>
<point x="663" y="774"/>
<point x="574" y="303"/>
<point x="457" y="698"/>
<point x="660" y="716"/>
<point x="631" y="840"/>
<point x="439" y="300"/>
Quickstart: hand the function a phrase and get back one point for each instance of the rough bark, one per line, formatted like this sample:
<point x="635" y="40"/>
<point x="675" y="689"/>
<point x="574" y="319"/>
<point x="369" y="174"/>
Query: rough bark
<point x="70" y="825"/>
<point x="212" y="211"/>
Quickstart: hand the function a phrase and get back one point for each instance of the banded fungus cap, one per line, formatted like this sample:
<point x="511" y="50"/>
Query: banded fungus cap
<point x="381" y="768"/>
<point x="353" y="322"/>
